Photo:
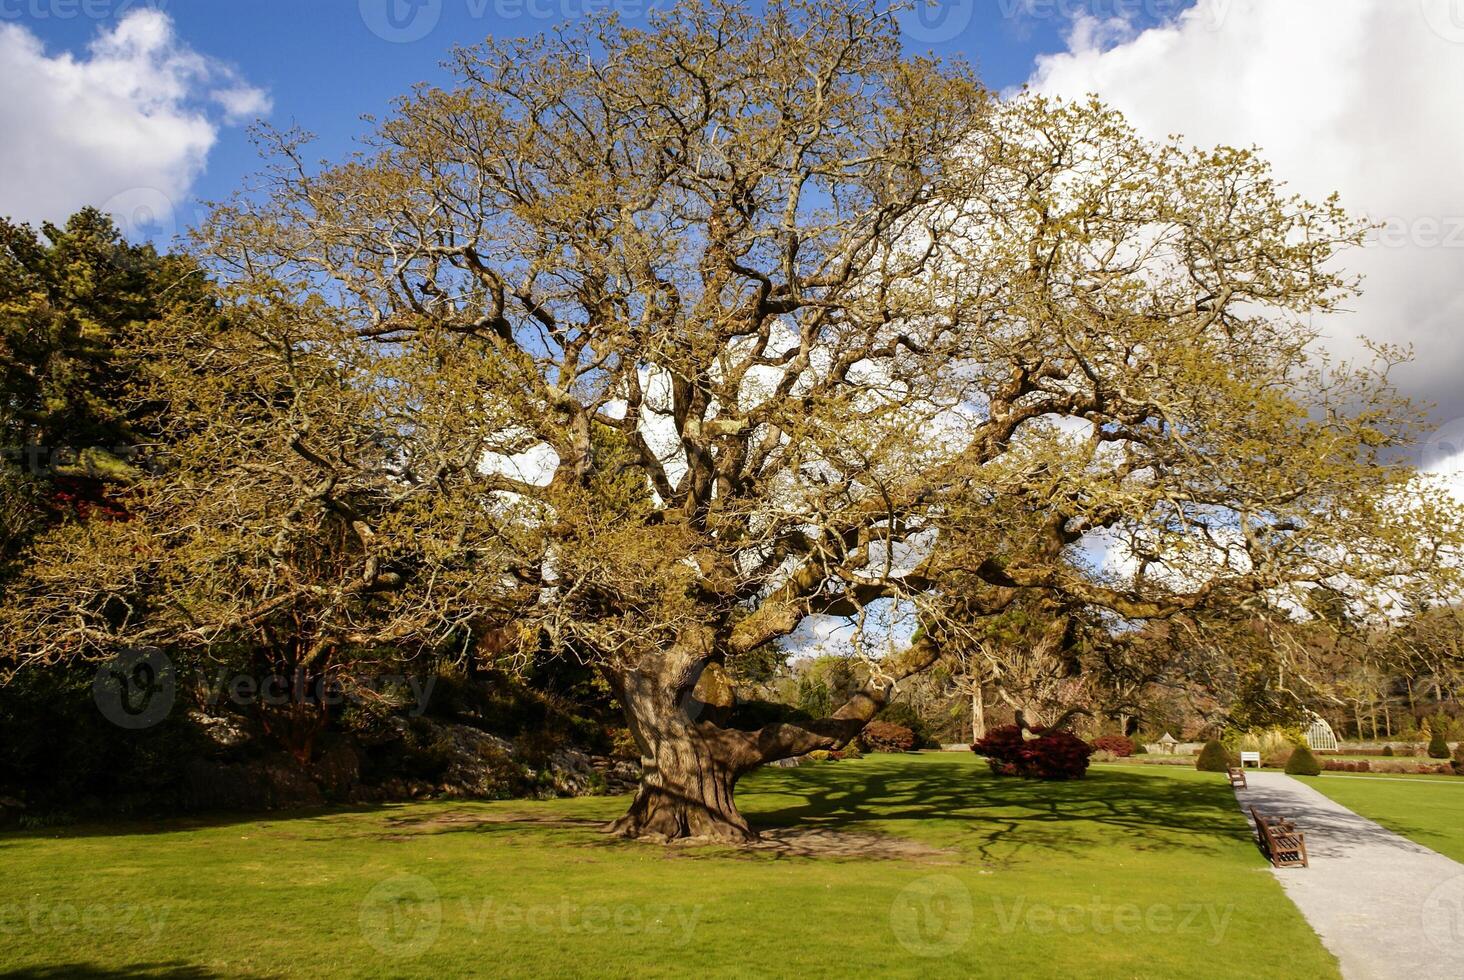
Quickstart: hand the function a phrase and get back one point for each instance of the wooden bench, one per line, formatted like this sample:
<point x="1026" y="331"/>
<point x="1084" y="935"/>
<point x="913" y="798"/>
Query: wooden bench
<point x="1280" y="841"/>
<point x="1237" y="777"/>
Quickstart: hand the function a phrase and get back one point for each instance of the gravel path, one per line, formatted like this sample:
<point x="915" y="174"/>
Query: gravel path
<point x="1385" y="906"/>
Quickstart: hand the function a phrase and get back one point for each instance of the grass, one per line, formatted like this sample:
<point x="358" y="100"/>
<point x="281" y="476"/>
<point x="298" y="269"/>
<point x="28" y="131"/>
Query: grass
<point x="1128" y="873"/>
<point x="1421" y="808"/>
<point x="1419" y="777"/>
<point x="1400" y="757"/>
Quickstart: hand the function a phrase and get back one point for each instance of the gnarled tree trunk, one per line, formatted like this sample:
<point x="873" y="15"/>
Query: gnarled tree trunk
<point x="686" y="788"/>
<point x="676" y="708"/>
<point x="690" y="765"/>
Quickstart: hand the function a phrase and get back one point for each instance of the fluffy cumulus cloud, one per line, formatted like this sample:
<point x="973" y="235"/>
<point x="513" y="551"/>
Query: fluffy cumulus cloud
<point x="127" y="125"/>
<point x="1360" y="97"/>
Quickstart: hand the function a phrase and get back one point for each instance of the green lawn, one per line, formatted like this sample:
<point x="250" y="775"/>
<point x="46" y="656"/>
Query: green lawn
<point x="1128" y="873"/>
<point x="1426" y="809"/>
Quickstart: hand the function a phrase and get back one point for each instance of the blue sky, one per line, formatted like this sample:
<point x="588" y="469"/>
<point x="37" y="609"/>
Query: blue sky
<point x="141" y="107"/>
<point x="325" y="63"/>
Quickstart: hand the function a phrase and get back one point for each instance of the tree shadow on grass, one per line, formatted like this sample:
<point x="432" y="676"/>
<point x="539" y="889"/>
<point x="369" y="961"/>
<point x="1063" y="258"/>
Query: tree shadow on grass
<point x="408" y="826"/>
<point x="134" y="826"/>
<point x="90" y="971"/>
<point x="396" y="821"/>
<point x="841" y="811"/>
<point x="1000" y="816"/>
<point x="953" y="802"/>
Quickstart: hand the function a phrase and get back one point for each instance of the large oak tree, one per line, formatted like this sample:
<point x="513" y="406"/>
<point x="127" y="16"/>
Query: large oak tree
<point x="747" y="318"/>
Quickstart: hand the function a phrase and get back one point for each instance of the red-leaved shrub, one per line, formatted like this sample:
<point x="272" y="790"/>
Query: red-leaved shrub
<point x="886" y="736"/>
<point x="1120" y="745"/>
<point x="1051" y="755"/>
<point x="1346" y="765"/>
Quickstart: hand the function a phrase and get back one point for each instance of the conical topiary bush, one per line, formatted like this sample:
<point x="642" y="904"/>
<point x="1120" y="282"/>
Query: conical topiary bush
<point x="1303" y="763"/>
<point x="1213" y="757"/>
<point x="1438" y="746"/>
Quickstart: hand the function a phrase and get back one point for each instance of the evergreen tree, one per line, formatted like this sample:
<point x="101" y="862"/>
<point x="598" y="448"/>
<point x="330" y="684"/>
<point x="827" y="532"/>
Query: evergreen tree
<point x="1438" y="743"/>
<point x="1303" y="763"/>
<point x="1213" y="757"/>
<point x="71" y="298"/>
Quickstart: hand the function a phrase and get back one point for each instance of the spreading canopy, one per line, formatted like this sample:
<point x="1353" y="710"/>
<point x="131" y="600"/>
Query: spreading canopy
<point x="750" y="318"/>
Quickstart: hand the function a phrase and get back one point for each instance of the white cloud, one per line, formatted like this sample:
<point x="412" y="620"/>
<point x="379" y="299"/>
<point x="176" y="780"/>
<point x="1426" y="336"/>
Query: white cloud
<point x="242" y="103"/>
<point x="127" y="126"/>
<point x="1355" y="96"/>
